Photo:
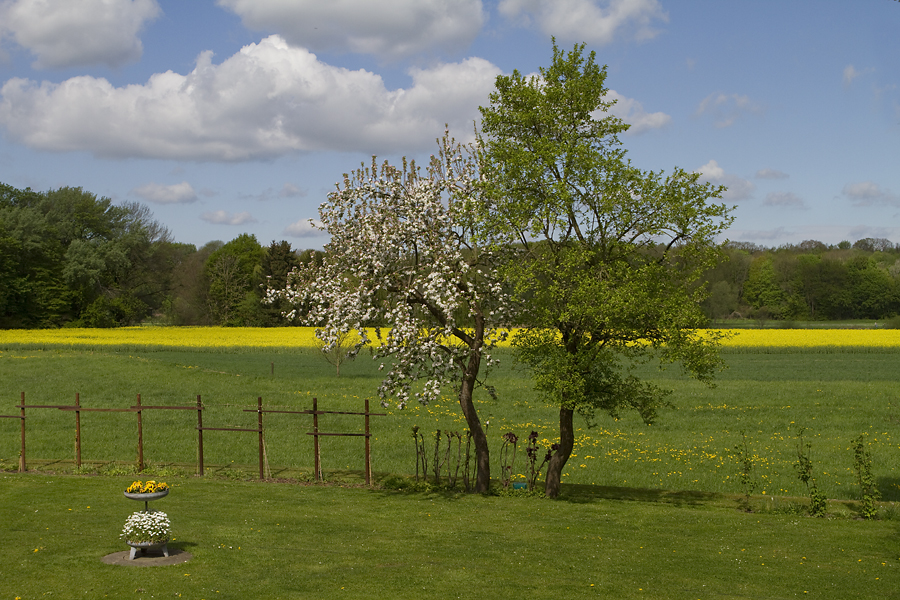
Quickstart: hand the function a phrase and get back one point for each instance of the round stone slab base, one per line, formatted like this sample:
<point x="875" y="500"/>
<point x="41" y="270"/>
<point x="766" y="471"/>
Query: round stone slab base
<point x="150" y="559"/>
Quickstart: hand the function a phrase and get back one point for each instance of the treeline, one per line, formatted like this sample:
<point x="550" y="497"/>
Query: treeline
<point x="71" y="259"/>
<point x="808" y="281"/>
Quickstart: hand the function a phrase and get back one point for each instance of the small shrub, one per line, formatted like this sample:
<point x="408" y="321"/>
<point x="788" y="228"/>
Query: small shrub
<point x="891" y="512"/>
<point x="746" y="463"/>
<point x="463" y="457"/>
<point x="869" y="494"/>
<point x="114" y="469"/>
<point x="507" y="463"/>
<point x="818" y="502"/>
<point x="531" y="450"/>
<point x="892" y="323"/>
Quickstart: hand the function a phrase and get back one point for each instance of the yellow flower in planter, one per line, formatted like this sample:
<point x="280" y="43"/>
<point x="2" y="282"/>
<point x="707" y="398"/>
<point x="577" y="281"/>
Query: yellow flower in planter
<point x="147" y="487"/>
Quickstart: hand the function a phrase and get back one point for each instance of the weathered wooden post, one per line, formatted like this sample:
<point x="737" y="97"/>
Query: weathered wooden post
<point x="140" y="436"/>
<point x="200" y="434"/>
<point x="77" y="430"/>
<point x="259" y="423"/>
<point x="368" y="449"/>
<point x="317" y="465"/>
<point x="22" y="419"/>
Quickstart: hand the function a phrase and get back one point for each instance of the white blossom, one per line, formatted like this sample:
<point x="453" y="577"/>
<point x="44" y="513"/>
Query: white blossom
<point x="402" y="254"/>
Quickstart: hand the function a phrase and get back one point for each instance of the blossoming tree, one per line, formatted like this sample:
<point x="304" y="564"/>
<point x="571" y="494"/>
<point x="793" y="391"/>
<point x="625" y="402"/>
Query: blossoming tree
<point x="402" y="261"/>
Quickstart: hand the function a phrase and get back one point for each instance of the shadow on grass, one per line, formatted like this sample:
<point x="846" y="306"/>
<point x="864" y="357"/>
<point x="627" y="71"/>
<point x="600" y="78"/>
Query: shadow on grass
<point x="582" y="494"/>
<point x="572" y="493"/>
<point x="182" y="545"/>
<point x="889" y="488"/>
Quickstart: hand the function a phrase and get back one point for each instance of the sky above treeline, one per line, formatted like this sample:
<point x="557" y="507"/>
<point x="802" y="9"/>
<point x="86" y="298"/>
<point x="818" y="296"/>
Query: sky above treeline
<point x="239" y="116"/>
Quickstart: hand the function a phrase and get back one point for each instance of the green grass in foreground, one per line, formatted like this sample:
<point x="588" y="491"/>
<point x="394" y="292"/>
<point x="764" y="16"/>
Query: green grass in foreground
<point x="767" y="395"/>
<point x="256" y="540"/>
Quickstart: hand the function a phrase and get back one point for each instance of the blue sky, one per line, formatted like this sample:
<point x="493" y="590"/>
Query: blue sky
<point x="238" y="116"/>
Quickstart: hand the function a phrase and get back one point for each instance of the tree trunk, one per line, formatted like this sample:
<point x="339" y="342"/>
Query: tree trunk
<point x="482" y="454"/>
<point x="562" y="454"/>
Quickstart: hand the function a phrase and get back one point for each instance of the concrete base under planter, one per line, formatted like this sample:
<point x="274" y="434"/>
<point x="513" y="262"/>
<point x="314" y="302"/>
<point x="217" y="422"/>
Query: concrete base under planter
<point x="144" y="546"/>
<point x="151" y="559"/>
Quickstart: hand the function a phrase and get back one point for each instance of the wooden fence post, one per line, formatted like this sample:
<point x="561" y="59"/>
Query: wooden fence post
<point x="140" y="437"/>
<point x="317" y="464"/>
<point x="22" y="451"/>
<point x="259" y="422"/>
<point x="368" y="449"/>
<point x="200" y="434"/>
<point x="77" y="431"/>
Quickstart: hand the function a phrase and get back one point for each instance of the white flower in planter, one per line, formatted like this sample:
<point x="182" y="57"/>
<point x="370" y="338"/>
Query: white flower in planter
<point x="152" y="527"/>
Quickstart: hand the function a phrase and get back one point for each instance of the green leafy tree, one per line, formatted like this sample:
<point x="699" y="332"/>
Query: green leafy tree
<point x="279" y="260"/>
<point x="234" y="276"/>
<point x="606" y="259"/>
<point x="761" y="290"/>
<point x="188" y="303"/>
<point x="69" y="257"/>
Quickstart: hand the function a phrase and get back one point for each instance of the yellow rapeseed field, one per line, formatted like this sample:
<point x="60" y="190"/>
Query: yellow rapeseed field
<point x="813" y="338"/>
<point x="212" y="338"/>
<point x="208" y="338"/>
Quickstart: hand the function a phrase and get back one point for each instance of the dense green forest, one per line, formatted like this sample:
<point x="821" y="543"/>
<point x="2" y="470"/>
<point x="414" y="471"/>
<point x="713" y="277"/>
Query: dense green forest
<point x="809" y="281"/>
<point x="71" y="259"/>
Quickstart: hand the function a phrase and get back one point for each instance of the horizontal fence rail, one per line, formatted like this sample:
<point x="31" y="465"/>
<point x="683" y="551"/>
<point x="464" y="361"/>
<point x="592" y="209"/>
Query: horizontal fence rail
<point x="138" y="408"/>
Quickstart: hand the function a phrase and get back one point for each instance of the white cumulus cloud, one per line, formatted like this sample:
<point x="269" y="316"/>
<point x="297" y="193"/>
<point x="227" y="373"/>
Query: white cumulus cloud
<point x="388" y="28"/>
<point x="266" y="100"/>
<point x="590" y="21"/>
<point x="632" y="112"/>
<point x="305" y="228"/>
<point x="179" y="193"/>
<point x="727" y="108"/>
<point x="221" y="217"/>
<point x="784" y="200"/>
<point x="738" y="187"/>
<point x="65" y="33"/>
<point x="868" y="193"/>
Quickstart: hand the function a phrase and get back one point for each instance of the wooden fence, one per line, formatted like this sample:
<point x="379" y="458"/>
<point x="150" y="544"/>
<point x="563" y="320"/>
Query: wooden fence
<point x="139" y="409"/>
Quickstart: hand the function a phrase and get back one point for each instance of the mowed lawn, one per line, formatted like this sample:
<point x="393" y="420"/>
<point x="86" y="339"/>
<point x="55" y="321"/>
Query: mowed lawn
<point x="765" y="394"/>
<point x="646" y="511"/>
<point x="263" y="540"/>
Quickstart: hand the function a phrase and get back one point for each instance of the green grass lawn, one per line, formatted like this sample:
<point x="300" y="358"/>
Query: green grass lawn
<point x="765" y="396"/>
<point x="646" y="512"/>
<point x="264" y="540"/>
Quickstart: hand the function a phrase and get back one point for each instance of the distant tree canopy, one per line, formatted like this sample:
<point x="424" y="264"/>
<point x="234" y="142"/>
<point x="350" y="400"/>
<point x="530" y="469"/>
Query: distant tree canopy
<point x="807" y="281"/>
<point x="71" y="258"/>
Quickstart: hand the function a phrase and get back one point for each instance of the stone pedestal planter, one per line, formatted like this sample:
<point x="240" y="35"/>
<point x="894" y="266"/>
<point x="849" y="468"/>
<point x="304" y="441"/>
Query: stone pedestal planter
<point x="144" y="546"/>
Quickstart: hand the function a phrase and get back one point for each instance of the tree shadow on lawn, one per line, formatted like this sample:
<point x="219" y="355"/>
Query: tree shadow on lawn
<point x="585" y="494"/>
<point x="580" y="494"/>
<point x="889" y="488"/>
